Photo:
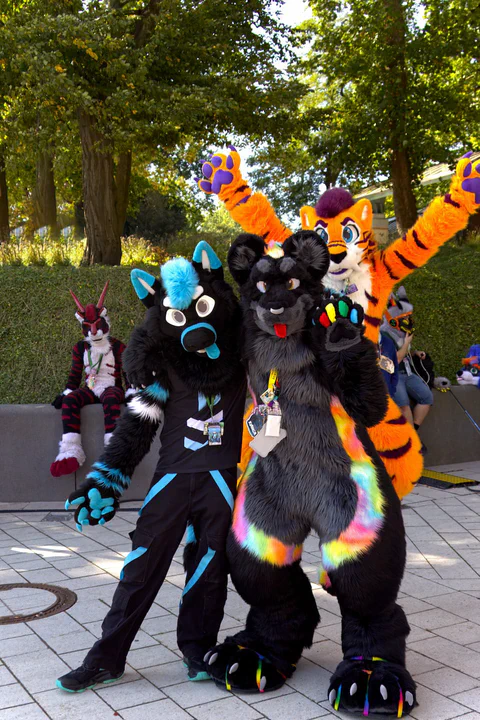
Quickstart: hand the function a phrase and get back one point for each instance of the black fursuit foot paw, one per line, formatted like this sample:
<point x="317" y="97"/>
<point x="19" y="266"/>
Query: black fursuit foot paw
<point x="234" y="667"/>
<point x="372" y="687"/>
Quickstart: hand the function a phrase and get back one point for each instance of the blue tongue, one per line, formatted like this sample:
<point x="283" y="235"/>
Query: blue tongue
<point x="213" y="352"/>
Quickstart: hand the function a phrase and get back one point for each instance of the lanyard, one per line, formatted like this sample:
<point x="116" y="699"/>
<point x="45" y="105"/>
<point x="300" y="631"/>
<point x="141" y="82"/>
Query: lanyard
<point x="94" y="368"/>
<point x="210" y="400"/>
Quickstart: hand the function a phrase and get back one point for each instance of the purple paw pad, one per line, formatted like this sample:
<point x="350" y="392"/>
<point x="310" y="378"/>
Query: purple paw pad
<point x="206" y="186"/>
<point x="222" y="177"/>
<point x="467" y="170"/>
<point x="229" y="162"/>
<point x="207" y="170"/>
<point x="216" y="161"/>
<point x="473" y="185"/>
<point x="467" y="155"/>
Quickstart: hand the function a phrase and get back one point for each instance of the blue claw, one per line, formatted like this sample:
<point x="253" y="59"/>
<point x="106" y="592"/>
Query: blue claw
<point x="79" y="527"/>
<point x="76" y="501"/>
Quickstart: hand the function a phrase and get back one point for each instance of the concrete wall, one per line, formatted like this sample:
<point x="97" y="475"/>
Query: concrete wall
<point x="29" y="436"/>
<point x="447" y="432"/>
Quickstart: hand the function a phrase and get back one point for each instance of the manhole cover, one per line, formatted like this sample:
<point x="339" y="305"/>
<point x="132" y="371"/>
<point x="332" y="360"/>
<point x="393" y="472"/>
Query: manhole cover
<point x="64" y="599"/>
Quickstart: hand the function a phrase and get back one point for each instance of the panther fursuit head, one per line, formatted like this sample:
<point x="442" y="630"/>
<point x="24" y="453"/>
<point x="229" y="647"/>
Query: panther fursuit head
<point x="280" y="289"/>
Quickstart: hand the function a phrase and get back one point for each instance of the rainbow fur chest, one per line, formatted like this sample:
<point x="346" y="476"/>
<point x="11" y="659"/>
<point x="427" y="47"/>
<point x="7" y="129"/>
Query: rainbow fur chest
<point x="320" y="476"/>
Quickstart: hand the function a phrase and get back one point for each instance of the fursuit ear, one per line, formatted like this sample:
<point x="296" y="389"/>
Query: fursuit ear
<point x="243" y="254"/>
<point x="146" y="286"/>
<point x="308" y="217"/>
<point x="308" y="248"/>
<point x="206" y="261"/>
<point x="402" y="293"/>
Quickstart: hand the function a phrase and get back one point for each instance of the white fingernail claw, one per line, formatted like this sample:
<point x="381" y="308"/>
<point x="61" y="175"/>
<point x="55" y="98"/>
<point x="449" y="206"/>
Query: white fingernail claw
<point x="353" y="689"/>
<point x="383" y="692"/>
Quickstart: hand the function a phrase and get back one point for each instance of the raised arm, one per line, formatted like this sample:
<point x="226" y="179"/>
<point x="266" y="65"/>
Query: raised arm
<point x="350" y="361"/>
<point x="252" y="211"/>
<point x="443" y="218"/>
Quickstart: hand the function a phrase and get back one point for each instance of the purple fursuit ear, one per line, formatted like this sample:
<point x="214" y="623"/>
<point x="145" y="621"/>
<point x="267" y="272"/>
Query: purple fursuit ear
<point x="333" y="202"/>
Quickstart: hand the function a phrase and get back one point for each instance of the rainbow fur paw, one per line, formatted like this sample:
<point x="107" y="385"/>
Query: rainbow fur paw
<point x="465" y="187"/>
<point x="222" y="177"/>
<point x="235" y="667"/>
<point x="372" y="687"/>
<point x="343" y="320"/>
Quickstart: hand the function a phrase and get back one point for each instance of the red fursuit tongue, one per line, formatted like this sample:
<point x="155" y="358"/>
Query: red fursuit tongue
<point x="280" y="330"/>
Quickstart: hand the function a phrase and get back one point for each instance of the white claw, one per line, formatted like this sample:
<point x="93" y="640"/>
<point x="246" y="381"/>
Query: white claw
<point x="353" y="689"/>
<point x="332" y="695"/>
<point x="213" y="658"/>
<point x="233" y="669"/>
<point x="409" y="697"/>
<point x="207" y="655"/>
<point x="263" y="682"/>
<point x="383" y="692"/>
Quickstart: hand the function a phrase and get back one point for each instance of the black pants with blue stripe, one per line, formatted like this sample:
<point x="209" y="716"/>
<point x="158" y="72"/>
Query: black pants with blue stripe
<point x="204" y="502"/>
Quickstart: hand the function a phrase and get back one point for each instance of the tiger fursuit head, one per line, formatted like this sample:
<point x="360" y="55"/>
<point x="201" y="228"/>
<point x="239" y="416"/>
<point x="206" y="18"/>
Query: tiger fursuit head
<point x="319" y="472"/>
<point x="358" y="268"/>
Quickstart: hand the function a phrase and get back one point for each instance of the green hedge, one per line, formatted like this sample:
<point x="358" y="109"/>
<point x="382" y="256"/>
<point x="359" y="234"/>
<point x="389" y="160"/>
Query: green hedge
<point x="38" y="327"/>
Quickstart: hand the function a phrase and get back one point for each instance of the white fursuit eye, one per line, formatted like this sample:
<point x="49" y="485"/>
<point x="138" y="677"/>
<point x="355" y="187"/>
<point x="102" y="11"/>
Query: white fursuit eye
<point x="262" y="286"/>
<point x="293" y="284"/>
<point x="175" y="317"/>
<point x="204" y="306"/>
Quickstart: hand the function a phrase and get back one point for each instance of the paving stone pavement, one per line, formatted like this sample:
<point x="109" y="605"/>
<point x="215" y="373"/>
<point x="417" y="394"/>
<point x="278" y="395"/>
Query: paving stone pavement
<point x="440" y="594"/>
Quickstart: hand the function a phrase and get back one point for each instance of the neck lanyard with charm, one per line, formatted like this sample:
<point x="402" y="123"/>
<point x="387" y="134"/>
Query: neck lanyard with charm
<point x="212" y="428"/>
<point x="94" y="370"/>
<point x="269" y="413"/>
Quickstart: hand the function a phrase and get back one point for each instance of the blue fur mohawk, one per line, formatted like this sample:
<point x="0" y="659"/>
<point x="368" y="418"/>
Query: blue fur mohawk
<point x="180" y="281"/>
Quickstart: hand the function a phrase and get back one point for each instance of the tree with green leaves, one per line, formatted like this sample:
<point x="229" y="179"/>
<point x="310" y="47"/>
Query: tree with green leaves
<point x="139" y="75"/>
<point x="392" y="86"/>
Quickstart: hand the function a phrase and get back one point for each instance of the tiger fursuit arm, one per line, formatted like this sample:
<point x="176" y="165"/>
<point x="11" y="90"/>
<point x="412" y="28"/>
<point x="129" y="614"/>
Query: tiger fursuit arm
<point x="252" y="211"/>
<point x="443" y="218"/>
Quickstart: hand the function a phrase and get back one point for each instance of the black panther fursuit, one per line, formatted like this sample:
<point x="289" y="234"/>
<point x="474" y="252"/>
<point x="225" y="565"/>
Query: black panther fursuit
<point x="320" y="383"/>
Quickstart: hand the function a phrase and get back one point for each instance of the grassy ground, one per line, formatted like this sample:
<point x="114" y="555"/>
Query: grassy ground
<point x="38" y="328"/>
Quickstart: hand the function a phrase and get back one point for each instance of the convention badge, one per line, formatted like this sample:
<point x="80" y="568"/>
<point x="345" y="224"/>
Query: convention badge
<point x="256" y="421"/>
<point x="351" y="289"/>
<point x="408" y="367"/>
<point x="214" y="432"/>
<point x="387" y="364"/>
<point x="91" y="380"/>
<point x="262" y="445"/>
<point x="271" y="393"/>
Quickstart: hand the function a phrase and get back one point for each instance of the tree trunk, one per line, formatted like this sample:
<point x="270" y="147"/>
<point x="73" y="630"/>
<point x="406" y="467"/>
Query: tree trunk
<point x="122" y="181"/>
<point x="404" y="202"/>
<point x="4" y="218"/>
<point x="99" y="195"/>
<point x="396" y="88"/>
<point x="79" y="220"/>
<point x="44" y="195"/>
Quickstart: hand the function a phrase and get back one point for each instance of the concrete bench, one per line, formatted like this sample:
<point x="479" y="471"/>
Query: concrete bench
<point x="29" y="436"/>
